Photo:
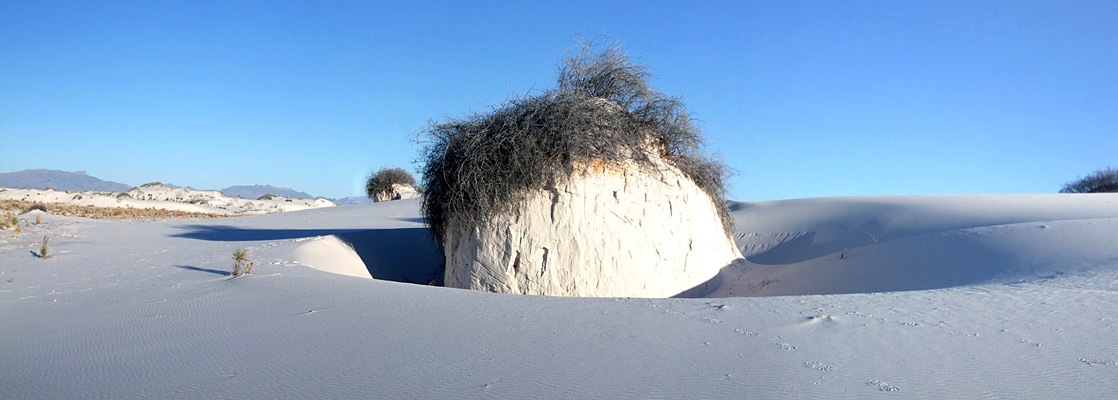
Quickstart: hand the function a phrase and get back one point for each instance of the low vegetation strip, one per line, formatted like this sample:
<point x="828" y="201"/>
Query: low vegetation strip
<point x="20" y="206"/>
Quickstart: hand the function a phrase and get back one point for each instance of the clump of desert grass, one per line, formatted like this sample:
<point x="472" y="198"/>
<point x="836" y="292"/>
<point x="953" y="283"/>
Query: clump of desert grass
<point x="602" y="110"/>
<point x="242" y="264"/>
<point x="10" y="221"/>
<point x="44" y="251"/>
<point x="105" y="212"/>
<point x="1103" y="180"/>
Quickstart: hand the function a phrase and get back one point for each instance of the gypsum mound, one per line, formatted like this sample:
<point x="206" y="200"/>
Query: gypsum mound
<point x="595" y="188"/>
<point x="607" y="231"/>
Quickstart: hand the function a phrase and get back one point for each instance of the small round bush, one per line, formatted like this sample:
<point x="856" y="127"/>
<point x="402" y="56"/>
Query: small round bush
<point x="602" y="110"/>
<point x="1102" y="181"/>
<point x="35" y="207"/>
<point x="382" y="180"/>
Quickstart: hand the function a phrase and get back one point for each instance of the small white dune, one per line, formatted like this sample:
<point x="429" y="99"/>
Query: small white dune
<point x="330" y="254"/>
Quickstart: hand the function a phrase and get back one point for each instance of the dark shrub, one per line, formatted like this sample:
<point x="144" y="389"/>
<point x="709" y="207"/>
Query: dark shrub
<point x="34" y="207"/>
<point x="602" y="110"/>
<point x="382" y="180"/>
<point x="1101" y="181"/>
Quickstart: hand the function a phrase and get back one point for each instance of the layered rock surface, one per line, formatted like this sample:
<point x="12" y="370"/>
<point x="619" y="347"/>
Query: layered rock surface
<point x="398" y="192"/>
<point x="611" y="230"/>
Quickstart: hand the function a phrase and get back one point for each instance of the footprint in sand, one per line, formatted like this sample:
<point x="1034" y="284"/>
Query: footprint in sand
<point x="819" y="366"/>
<point x="784" y="346"/>
<point x="1097" y="362"/>
<point x="883" y="386"/>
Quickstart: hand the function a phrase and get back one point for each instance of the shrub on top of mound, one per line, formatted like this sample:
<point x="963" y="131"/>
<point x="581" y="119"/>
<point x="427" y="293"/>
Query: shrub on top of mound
<point x="1101" y="181"/>
<point x="390" y="184"/>
<point x="596" y="187"/>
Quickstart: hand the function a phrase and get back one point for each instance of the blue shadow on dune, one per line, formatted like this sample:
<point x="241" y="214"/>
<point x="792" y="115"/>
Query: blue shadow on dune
<point x="226" y="233"/>
<point x="406" y="255"/>
<point x="212" y="271"/>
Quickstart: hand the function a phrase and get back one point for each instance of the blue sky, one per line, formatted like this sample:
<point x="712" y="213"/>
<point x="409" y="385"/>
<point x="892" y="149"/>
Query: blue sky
<point x="801" y="99"/>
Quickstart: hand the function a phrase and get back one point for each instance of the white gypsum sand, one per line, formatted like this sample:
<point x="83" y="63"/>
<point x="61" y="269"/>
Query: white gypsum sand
<point x="964" y="296"/>
<point x="162" y="197"/>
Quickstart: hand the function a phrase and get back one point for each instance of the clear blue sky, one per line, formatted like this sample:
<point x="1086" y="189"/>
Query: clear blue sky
<point x="802" y="99"/>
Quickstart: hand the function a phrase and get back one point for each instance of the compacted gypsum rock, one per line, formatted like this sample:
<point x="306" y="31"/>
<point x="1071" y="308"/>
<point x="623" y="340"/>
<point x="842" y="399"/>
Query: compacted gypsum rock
<point x="610" y="230"/>
<point x="397" y="192"/>
<point x="588" y="156"/>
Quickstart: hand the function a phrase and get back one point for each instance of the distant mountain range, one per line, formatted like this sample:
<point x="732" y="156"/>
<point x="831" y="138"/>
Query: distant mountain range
<point x="256" y="191"/>
<point x="80" y="181"/>
<point x="58" y="180"/>
<point x="352" y="200"/>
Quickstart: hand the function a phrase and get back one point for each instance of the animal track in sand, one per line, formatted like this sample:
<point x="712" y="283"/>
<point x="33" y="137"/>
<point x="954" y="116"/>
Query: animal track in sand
<point x="1097" y="362"/>
<point x="966" y="334"/>
<point x="883" y="386"/>
<point x="784" y="346"/>
<point x="819" y="366"/>
<point x="1022" y="340"/>
<point x="859" y="314"/>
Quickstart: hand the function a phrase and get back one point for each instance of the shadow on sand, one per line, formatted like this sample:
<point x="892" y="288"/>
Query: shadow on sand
<point x="406" y="255"/>
<point x="948" y="261"/>
<point x="212" y="271"/>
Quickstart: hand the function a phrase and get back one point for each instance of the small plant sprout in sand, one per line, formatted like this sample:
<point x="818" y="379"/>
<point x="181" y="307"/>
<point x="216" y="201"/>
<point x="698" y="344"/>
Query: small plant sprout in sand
<point x="242" y="265"/>
<point x="44" y="251"/>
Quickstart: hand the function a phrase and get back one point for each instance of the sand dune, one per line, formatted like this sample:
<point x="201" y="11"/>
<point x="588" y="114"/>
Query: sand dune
<point x="880" y="244"/>
<point x="162" y="197"/>
<point x="932" y="296"/>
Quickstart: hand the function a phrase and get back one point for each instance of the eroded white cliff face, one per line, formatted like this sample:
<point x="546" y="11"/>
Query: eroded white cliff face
<point x="609" y="231"/>
<point x="398" y="192"/>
